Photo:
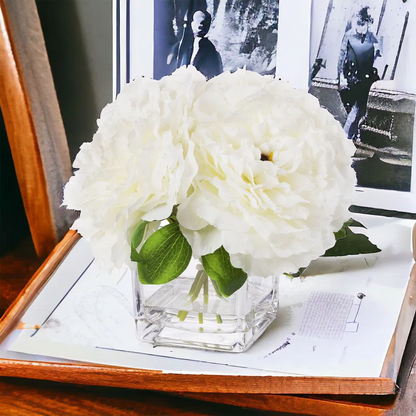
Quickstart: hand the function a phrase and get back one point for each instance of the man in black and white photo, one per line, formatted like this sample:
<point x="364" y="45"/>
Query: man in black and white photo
<point x="201" y="53"/>
<point x="215" y="35"/>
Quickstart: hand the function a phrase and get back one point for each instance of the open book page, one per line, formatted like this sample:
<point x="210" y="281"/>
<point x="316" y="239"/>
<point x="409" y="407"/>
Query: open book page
<point x="338" y="322"/>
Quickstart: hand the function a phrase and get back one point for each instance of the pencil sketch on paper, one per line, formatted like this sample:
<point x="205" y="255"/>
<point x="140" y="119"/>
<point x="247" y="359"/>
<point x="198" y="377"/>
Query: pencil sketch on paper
<point x="93" y="315"/>
<point x="329" y="315"/>
<point x="352" y="324"/>
<point x="280" y="347"/>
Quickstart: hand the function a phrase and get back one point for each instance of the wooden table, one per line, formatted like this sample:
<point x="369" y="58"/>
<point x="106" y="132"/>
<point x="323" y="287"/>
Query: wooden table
<point x="29" y="397"/>
<point x="22" y="397"/>
<point x="34" y="397"/>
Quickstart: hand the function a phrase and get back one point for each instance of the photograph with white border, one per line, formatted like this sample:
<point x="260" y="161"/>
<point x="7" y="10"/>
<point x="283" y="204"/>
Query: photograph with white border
<point x="362" y="63"/>
<point x="154" y="37"/>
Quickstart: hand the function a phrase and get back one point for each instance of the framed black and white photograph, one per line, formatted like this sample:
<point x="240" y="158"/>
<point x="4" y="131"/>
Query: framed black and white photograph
<point x="154" y="37"/>
<point x="363" y="60"/>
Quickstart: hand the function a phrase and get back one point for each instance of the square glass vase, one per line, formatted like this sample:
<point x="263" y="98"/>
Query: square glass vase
<point x="166" y="315"/>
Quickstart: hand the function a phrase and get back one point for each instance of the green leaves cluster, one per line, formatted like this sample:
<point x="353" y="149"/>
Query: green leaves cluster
<point x="347" y="243"/>
<point x="166" y="254"/>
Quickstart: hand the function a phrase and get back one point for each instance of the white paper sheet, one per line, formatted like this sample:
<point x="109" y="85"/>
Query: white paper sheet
<point x="336" y="323"/>
<point x="120" y="358"/>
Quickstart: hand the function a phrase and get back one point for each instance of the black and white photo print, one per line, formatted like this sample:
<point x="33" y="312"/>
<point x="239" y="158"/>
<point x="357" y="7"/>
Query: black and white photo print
<point x="215" y="35"/>
<point x="363" y="61"/>
<point x="153" y="38"/>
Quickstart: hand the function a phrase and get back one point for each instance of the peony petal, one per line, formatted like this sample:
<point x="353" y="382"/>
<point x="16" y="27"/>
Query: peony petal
<point x="204" y="241"/>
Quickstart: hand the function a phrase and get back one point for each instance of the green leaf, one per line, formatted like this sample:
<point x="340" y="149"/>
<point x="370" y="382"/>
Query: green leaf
<point x="342" y="233"/>
<point x="297" y="274"/>
<point x="352" y="244"/>
<point x="219" y="268"/>
<point x="353" y="223"/>
<point x="136" y="239"/>
<point x="347" y="243"/>
<point x="163" y="256"/>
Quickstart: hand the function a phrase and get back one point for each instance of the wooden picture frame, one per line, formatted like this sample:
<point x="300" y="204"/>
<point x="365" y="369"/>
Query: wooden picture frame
<point x="33" y="123"/>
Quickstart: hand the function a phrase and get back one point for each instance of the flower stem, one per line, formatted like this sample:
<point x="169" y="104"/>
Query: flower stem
<point x="201" y="282"/>
<point x="206" y="290"/>
<point x="217" y="290"/>
<point x="182" y="315"/>
<point x="197" y="286"/>
<point x="195" y="282"/>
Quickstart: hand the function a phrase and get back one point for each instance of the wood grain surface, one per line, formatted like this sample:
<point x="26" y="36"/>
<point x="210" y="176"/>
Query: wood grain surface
<point x="46" y="398"/>
<point x="12" y="316"/>
<point x="311" y="405"/>
<point x="21" y="398"/>
<point x="92" y="374"/>
<point x="23" y="143"/>
<point x="16" y="268"/>
<point x="33" y="123"/>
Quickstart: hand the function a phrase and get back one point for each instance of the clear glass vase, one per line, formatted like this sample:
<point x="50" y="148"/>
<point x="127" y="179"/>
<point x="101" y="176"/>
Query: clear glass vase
<point x="190" y="312"/>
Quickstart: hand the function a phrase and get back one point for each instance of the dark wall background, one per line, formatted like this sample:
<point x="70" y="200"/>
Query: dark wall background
<point x="78" y="37"/>
<point x="13" y="223"/>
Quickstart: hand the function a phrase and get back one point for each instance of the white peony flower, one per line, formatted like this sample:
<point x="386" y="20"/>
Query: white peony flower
<point x="274" y="177"/>
<point x="254" y="166"/>
<point x="139" y="164"/>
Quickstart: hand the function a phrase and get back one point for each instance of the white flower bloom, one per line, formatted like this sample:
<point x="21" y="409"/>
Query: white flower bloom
<point x="223" y="93"/>
<point x="274" y="177"/>
<point x="139" y="164"/>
